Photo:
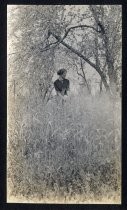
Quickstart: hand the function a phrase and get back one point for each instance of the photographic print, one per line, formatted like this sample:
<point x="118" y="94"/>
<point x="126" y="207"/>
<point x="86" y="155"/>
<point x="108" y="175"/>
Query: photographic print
<point x="64" y="67"/>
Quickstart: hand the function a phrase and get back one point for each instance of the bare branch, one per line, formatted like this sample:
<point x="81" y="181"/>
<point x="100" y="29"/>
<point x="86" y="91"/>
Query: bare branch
<point x="78" y="26"/>
<point x="65" y="35"/>
<point x="75" y="51"/>
<point x="48" y="46"/>
<point x="80" y="74"/>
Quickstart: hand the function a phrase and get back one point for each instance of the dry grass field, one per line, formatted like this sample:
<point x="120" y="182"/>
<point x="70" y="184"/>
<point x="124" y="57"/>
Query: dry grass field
<point x="68" y="154"/>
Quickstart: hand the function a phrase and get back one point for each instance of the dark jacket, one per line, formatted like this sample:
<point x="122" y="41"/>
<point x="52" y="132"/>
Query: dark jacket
<point x="60" y="85"/>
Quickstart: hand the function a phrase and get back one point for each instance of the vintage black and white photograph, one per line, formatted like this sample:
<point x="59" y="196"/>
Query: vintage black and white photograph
<point x="64" y="68"/>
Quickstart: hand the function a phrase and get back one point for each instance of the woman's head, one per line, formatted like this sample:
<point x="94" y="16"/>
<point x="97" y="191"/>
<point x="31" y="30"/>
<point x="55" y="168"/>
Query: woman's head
<point x="62" y="73"/>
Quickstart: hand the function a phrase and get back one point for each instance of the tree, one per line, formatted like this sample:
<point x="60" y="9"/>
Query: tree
<point x="27" y="29"/>
<point x="105" y="46"/>
<point x="108" y="18"/>
<point x="37" y="32"/>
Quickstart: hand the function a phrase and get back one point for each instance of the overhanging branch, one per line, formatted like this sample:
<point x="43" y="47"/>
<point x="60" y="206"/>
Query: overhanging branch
<point x="79" y="26"/>
<point x="48" y="46"/>
<point x="74" y="50"/>
<point x="65" y="35"/>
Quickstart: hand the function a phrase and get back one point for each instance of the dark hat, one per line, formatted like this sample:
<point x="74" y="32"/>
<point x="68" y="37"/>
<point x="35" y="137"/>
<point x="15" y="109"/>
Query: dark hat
<point x="61" y="71"/>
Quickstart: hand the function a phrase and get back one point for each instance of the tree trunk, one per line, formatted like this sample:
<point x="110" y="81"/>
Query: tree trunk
<point x="109" y="59"/>
<point x="101" y="86"/>
<point x="103" y="78"/>
<point x="102" y="75"/>
<point x="84" y="76"/>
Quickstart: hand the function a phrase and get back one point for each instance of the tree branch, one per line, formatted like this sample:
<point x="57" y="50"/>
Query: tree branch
<point x="75" y="51"/>
<point x="48" y="46"/>
<point x="80" y="74"/>
<point x="65" y="35"/>
<point x="84" y="76"/>
<point x="78" y="26"/>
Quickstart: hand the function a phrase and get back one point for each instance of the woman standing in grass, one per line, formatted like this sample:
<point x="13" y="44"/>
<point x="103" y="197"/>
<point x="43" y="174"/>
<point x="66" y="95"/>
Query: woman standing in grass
<point x="61" y="86"/>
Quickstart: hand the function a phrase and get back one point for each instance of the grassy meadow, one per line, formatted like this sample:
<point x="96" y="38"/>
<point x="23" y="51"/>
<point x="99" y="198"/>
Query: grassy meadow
<point x="65" y="154"/>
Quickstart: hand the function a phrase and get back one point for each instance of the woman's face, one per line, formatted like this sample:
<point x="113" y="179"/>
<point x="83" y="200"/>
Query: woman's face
<point x="64" y="75"/>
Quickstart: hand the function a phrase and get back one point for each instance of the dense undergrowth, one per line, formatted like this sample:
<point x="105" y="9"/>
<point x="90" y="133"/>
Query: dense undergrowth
<point x="65" y="154"/>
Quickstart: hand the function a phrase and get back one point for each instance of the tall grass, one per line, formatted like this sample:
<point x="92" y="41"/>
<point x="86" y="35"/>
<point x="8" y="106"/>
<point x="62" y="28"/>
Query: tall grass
<point x="65" y="154"/>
